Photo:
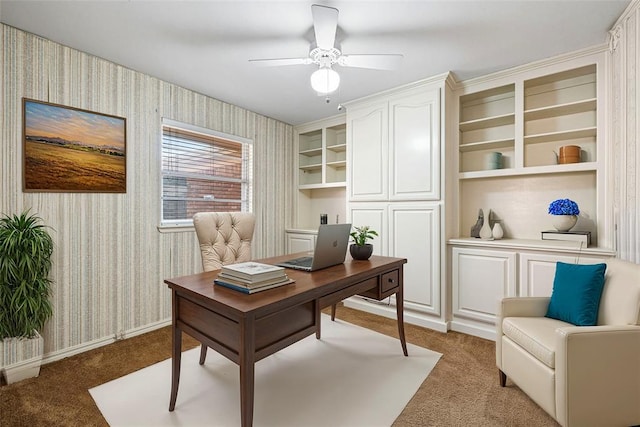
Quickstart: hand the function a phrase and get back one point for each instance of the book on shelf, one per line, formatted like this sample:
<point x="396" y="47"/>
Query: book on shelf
<point x="252" y="271"/>
<point x="252" y="289"/>
<point x="583" y="237"/>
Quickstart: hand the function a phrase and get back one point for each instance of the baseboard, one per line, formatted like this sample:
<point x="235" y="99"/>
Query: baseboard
<point x="483" y="331"/>
<point x="389" y="311"/>
<point x="72" y="351"/>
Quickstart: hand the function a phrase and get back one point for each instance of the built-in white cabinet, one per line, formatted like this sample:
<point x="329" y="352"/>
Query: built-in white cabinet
<point x="510" y="128"/>
<point x="368" y="153"/>
<point x="396" y="153"/>
<point x="412" y="231"/>
<point x="480" y="279"/>
<point x="394" y="147"/>
<point x="484" y="272"/>
<point x="537" y="270"/>
<point x="300" y="241"/>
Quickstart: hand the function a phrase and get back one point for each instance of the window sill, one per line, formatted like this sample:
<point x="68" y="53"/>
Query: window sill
<point x="175" y="228"/>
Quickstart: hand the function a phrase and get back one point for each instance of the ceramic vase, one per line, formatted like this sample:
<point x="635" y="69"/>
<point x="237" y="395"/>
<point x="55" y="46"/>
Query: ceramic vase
<point x="564" y="222"/>
<point x="497" y="231"/>
<point x="485" y="231"/>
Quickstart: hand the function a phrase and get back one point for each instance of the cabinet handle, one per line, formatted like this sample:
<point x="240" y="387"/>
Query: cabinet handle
<point x="390" y="280"/>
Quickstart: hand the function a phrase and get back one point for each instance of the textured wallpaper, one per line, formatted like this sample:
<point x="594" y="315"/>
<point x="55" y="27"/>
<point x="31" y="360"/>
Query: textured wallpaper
<point x="110" y="260"/>
<point x="625" y="125"/>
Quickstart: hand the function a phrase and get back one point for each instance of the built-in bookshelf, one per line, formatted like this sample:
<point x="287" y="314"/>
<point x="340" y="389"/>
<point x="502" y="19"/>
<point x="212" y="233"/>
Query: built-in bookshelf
<point x="322" y="172"/>
<point x="524" y="118"/>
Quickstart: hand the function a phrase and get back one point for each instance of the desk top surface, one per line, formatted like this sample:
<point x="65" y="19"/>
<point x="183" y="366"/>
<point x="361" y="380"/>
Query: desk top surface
<point x="307" y="286"/>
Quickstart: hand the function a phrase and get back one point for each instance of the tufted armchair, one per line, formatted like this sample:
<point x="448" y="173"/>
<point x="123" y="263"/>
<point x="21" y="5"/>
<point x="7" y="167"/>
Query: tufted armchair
<point x="224" y="238"/>
<point x="580" y="375"/>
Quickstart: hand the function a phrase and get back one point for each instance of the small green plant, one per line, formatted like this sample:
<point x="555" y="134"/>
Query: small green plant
<point x="25" y="262"/>
<point x="362" y="234"/>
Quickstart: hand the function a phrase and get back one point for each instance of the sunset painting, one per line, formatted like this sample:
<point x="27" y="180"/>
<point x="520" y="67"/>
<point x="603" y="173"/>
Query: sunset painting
<point x="72" y="150"/>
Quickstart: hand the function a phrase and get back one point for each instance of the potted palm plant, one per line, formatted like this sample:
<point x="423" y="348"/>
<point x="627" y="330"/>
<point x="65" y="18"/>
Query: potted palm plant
<point x="25" y="261"/>
<point x="360" y="249"/>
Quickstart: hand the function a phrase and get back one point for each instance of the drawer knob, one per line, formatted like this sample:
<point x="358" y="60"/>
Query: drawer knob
<point x="390" y="280"/>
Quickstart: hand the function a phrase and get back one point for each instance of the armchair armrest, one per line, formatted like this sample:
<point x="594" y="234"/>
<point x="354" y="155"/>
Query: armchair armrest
<point x="517" y="307"/>
<point x="598" y="375"/>
<point x="523" y="307"/>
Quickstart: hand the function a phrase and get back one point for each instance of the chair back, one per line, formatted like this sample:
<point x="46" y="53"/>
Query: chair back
<point x="224" y="237"/>
<point x="620" y="301"/>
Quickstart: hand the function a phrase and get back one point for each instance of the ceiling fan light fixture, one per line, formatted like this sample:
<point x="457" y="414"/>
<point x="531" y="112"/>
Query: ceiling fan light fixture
<point x="325" y="80"/>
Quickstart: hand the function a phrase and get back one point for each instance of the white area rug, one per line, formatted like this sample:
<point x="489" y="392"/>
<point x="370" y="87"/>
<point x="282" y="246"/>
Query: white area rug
<point x="351" y="377"/>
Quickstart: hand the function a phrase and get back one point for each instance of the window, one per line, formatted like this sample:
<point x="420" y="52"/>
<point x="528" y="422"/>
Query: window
<point x="203" y="170"/>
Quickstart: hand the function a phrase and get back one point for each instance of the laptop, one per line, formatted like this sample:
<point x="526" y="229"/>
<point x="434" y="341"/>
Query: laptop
<point x="330" y="250"/>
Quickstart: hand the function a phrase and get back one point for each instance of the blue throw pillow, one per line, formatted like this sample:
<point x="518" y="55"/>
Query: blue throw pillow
<point x="577" y="289"/>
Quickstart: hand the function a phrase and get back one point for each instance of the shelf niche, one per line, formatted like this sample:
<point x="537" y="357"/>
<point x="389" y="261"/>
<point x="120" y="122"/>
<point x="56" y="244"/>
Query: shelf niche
<point x="486" y="125"/>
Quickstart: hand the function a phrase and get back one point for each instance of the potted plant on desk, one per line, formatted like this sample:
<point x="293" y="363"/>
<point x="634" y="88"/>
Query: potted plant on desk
<point x="25" y="261"/>
<point x="360" y="249"/>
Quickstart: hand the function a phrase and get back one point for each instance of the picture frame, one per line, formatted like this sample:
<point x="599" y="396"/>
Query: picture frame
<point x="67" y="149"/>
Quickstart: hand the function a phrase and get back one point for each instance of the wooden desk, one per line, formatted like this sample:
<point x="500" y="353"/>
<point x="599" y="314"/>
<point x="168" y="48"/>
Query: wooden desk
<point x="247" y="328"/>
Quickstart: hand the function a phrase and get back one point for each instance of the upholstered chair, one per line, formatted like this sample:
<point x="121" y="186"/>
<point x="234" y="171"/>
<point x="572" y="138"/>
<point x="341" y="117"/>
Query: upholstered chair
<point x="581" y="375"/>
<point x="224" y="238"/>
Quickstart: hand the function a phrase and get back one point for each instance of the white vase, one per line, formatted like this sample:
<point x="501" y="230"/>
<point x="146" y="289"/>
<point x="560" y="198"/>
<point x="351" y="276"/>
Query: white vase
<point x="497" y="231"/>
<point x="564" y="222"/>
<point x="485" y="231"/>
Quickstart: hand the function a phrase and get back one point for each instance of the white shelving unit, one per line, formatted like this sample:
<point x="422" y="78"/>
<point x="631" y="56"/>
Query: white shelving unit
<point x="552" y="110"/>
<point x="322" y="173"/>
<point x="526" y="117"/>
<point x="526" y="114"/>
<point x="322" y="159"/>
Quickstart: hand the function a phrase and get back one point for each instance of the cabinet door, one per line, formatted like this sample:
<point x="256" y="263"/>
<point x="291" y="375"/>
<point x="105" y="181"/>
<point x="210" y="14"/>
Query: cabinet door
<point x="414" y="230"/>
<point x="537" y="271"/>
<point x="298" y="242"/>
<point x="481" y="278"/>
<point x="367" y="152"/>
<point x="375" y="216"/>
<point x="414" y="146"/>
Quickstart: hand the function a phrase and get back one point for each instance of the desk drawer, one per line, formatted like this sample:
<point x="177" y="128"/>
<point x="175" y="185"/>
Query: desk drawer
<point x="369" y="285"/>
<point x="389" y="281"/>
<point x="387" y="285"/>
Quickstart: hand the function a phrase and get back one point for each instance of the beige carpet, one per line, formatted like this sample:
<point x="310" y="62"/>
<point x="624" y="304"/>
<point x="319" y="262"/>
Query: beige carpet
<point x="354" y="376"/>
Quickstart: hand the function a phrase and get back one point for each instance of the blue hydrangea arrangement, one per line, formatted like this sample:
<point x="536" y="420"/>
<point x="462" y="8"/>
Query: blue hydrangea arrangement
<point x="564" y="207"/>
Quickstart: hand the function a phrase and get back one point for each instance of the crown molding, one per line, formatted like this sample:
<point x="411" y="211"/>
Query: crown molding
<point x="511" y="72"/>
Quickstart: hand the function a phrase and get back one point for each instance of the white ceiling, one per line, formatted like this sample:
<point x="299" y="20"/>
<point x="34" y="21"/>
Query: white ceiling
<point x="205" y="45"/>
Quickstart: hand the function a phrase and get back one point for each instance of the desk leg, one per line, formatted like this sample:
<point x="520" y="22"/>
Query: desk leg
<point x="247" y="371"/>
<point x="400" y="316"/>
<point x="176" y="354"/>
<point x="318" y="320"/>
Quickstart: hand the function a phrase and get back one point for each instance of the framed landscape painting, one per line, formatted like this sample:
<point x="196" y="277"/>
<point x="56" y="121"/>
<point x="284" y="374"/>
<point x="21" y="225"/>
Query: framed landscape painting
<point x="68" y="149"/>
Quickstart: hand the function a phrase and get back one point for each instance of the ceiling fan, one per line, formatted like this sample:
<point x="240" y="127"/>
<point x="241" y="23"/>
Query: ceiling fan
<point x="325" y="55"/>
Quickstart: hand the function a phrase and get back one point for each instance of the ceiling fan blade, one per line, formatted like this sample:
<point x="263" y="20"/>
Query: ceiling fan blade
<point x="376" y="61"/>
<point x="325" y="23"/>
<point x="281" y="61"/>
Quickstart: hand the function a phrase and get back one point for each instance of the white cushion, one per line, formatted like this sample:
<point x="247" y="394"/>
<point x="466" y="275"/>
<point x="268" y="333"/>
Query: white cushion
<point x="620" y="301"/>
<point x="536" y="335"/>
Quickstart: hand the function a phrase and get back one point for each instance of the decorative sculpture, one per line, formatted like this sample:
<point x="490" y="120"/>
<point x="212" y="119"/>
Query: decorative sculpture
<point x="475" y="230"/>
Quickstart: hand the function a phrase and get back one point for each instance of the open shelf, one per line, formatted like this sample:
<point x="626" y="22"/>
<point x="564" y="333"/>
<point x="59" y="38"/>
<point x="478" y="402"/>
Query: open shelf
<point x="487" y="145"/>
<point x="561" y="135"/>
<point x="487" y="122"/>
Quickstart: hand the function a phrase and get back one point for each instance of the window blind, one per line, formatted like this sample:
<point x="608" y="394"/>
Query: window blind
<point x="203" y="171"/>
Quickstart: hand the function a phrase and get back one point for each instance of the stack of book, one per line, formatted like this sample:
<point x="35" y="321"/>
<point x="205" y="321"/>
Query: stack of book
<point x="583" y="237"/>
<point x="250" y="277"/>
